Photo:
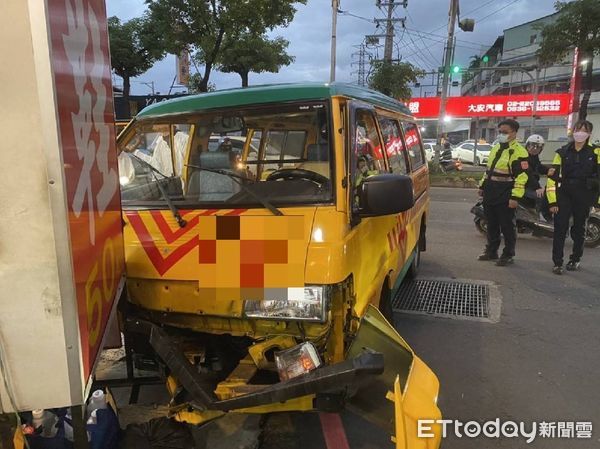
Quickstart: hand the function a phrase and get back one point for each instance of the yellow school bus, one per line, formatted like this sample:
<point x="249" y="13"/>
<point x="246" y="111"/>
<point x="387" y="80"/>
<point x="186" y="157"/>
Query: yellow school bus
<point x="266" y="231"/>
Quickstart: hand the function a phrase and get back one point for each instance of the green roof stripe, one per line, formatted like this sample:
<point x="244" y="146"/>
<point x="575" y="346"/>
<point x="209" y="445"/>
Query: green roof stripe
<point x="269" y="94"/>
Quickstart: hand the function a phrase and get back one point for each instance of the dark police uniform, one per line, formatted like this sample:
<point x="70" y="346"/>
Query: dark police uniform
<point x="504" y="180"/>
<point x="574" y="189"/>
<point x="536" y="169"/>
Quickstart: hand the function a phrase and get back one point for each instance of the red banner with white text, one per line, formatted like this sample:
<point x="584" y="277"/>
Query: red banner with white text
<point x="82" y="74"/>
<point x="491" y="106"/>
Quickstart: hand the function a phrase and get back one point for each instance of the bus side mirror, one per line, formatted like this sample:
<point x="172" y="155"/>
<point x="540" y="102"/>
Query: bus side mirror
<point x="385" y="194"/>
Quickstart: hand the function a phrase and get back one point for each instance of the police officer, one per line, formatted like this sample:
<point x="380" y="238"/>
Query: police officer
<point x="572" y="191"/>
<point x="534" y="192"/>
<point x="501" y="186"/>
<point x="365" y="169"/>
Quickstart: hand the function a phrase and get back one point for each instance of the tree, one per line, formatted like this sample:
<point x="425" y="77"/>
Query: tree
<point x="475" y="63"/>
<point x="133" y="50"/>
<point x="393" y="79"/>
<point x="257" y="54"/>
<point x="577" y="25"/>
<point x="194" y="84"/>
<point x="208" y="27"/>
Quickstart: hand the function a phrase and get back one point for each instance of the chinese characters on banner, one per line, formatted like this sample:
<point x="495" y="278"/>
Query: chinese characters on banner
<point x="491" y="106"/>
<point x="81" y="66"/>
<point x="183" y="68"/>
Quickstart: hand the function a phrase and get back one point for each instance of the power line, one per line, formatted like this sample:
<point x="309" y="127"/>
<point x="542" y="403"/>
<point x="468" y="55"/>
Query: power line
<point x="420" y="56"/>
<point x="348" y="13"/>
<point x="444" y="37"/>
<point x="433" y="58"/>
<point x="431" y="33"/>
<point x="479" y="7"/>
<point x="419" y="51"/>
<point x="467" y="13"/>
<point x="497" y="11"/>
<point x="438" y="40"/>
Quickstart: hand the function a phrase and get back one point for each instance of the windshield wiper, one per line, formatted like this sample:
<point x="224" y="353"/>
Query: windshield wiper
<point x="180" y="221"/>
<point x="239" y="180"/>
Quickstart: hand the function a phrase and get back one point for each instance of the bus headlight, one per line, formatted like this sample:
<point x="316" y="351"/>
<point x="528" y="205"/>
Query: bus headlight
<point x="306" y="304"/>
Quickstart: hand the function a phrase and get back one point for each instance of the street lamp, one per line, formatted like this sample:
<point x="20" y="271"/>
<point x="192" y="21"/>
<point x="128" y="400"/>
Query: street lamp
<point x="149" y="84"/>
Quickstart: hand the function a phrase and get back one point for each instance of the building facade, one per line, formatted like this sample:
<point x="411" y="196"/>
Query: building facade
<point x="512" y="68"/>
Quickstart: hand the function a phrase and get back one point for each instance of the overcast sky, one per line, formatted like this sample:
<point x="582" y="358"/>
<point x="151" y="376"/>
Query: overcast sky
<point x="421" y="43"/>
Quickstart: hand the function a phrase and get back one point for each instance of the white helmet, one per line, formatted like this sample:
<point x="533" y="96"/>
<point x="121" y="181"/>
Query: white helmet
<point x="534" y="144"/>
<point x="535" y="138"/>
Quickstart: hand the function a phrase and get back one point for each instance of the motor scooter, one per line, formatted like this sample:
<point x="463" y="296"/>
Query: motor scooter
<point x="539" y="224"/>
<point x="447" y="163"/>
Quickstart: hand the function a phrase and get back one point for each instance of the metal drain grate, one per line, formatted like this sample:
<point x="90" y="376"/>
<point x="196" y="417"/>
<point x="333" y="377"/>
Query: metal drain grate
<point x="449" y="298"/>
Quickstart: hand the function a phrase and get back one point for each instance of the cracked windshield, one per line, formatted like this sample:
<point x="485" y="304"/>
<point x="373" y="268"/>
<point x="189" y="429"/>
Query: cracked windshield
<point x="277" y="154"/>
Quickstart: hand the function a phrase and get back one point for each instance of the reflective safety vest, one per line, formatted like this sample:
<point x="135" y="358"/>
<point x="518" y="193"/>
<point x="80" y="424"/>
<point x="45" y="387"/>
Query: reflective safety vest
<point x="511" y="166"/>
<point x="586" y="173"/>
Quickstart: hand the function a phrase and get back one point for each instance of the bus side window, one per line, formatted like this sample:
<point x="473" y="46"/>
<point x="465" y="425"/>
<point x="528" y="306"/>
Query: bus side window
<point x="366" y="141"/>
<point x="394" y="146"/>
<point x="413" y="145"/>
<point x="367" y="156"/>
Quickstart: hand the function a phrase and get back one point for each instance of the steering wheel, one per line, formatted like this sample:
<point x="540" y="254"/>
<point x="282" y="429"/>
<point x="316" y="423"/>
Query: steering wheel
<point x="297" y="173"/>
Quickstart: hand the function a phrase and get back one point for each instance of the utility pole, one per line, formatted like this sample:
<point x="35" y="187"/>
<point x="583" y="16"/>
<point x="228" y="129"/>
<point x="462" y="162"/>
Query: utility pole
<point x="448" y="54"/>
<point x="389" y="26"/>
<point x="478" y="88"/>
<point x="465" y="25"/>
<point x="335" y="4"/>
<point x="149" y="84"/>
<point x="389" y="33"/>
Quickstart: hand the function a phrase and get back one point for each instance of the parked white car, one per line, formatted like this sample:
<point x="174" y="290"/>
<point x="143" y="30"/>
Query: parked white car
<point x="465" y="152"/>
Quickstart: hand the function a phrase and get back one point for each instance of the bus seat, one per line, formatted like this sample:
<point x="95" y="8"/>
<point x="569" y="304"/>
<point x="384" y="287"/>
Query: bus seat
<point x="206" y="186"/>
<point x="317" y="159"/>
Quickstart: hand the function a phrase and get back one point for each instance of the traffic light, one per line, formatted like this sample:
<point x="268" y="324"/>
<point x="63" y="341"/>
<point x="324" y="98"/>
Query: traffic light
<point x="485" y="59"/>
<point x="455" y="69"/>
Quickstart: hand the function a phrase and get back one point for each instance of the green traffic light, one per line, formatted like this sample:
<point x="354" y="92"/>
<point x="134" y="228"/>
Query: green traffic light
<point x="456" y="69"/>
<point x="486" y="58"/>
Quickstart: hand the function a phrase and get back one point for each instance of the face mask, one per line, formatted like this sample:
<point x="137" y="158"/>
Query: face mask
<point x="502" y="138"/>
<point x="580" y="136"/>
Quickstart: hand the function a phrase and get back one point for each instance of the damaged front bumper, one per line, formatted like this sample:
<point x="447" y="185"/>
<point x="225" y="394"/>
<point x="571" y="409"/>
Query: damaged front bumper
<point x="381" y="379"/>
<point x="344" y="377"/>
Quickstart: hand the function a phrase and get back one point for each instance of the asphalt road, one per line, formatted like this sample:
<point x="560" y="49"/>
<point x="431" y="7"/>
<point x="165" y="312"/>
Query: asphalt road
<point x="540" y="362"/>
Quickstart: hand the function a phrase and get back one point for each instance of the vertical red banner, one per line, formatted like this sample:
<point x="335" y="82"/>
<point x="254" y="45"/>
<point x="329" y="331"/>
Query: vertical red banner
<point x="83" y="89"/>
<point x="575" y="83"/>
